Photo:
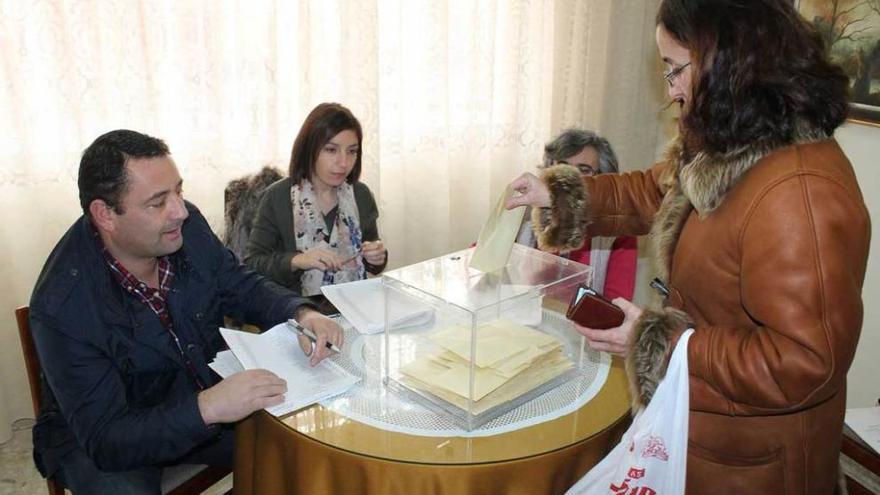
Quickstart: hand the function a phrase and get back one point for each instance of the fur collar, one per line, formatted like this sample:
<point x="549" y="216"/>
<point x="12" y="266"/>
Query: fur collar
<point x="702" y="183"/>
<point x="707" y="178"/>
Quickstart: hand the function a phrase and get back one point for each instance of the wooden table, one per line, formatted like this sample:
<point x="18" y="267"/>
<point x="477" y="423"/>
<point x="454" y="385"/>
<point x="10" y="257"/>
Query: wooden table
<point x="316" y="451"/>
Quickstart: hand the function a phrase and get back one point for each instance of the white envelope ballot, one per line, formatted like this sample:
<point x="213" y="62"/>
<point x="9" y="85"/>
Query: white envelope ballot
<point x="497" y="236"/>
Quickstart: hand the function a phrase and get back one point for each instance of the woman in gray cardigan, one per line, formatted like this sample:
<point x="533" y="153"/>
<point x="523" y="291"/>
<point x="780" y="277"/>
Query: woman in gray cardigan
<point x="318" y="226"/>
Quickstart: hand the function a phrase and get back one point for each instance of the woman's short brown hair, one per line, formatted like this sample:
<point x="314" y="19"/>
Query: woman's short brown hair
<point x="322" y="123"/>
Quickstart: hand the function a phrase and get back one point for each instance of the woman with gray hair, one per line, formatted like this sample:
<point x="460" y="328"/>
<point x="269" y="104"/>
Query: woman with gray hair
<point x="613" y="259"/>
<point x="584" y="149"/>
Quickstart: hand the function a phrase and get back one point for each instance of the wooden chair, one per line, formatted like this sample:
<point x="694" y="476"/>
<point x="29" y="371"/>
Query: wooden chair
<point x="860" y="464"/>
<point x="188" y="479"/>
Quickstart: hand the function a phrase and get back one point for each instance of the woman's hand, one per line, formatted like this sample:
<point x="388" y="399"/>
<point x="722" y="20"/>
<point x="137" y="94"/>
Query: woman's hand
<point x="325" y="329"/>
<point x="374" y="252"/>
<point x="316" y="258"/>
<point x="613" y="340"/>
<point x="533" y="192"/>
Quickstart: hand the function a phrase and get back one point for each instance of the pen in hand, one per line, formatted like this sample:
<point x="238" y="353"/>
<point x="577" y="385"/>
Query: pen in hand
<point x="353" y="257"/>
<point x="305" y="332"/>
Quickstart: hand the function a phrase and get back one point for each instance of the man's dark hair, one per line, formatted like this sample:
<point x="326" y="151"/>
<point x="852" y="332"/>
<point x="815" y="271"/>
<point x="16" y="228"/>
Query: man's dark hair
<point x="102" y="172"/>
<point x="570" y="142"/>
<point x="761" y="73"/>
<point x="324" y="122"/>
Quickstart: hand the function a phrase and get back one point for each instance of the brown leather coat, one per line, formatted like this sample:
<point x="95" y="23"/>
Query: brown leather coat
<point x="765" y="251"/>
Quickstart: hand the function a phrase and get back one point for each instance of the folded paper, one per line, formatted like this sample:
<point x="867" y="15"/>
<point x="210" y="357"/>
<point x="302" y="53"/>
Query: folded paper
<point x="511" y="360"/>
<point x="497" y="236"/>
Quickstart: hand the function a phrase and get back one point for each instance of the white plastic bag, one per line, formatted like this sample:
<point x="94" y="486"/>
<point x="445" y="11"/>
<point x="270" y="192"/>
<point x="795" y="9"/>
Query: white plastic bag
<point x="652" y="455"/>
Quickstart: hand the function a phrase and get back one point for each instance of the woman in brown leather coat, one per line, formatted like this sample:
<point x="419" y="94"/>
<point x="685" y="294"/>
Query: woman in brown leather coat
<point x="759" y="231"/>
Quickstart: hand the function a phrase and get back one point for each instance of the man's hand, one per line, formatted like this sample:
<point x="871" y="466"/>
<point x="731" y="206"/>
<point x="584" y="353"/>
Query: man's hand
<point x="613" y="340"/>
<point x="239" y="395"/>
<point x="374" y="252"/>
<point x="533" y="192"/>
<point x="325" y="329"/>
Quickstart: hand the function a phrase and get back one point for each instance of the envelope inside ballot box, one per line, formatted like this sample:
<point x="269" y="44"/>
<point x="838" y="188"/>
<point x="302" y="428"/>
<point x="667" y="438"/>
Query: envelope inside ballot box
<point x="511" y="359"/>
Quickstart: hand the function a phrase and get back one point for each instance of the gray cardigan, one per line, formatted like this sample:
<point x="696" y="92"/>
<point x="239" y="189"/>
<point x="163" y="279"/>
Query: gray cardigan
<point x="272" y="244"/>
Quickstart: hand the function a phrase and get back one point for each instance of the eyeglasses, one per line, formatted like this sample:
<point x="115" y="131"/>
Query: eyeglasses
<point x="671" y="75"/>
<point x="583" y="168"/>
<point x="587" y="170"/>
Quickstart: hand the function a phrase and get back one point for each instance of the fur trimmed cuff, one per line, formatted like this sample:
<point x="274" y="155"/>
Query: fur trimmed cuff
<point x="562" y="226"/>
<point x="653" y="338"/>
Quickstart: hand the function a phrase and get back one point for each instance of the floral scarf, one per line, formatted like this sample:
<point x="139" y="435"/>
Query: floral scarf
<point x="344" y="239"/>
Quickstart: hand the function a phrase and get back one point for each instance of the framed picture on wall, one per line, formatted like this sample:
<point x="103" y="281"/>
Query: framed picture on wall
<point x="851" y="29"/>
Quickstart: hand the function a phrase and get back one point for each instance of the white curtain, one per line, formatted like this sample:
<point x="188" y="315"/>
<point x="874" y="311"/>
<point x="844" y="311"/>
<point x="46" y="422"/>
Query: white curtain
<point x="456" y="98"/>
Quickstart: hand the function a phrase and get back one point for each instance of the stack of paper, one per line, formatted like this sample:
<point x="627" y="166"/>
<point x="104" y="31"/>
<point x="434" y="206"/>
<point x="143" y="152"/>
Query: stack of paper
<point x="511" y="359"/>
<point x="362" y="303"/>
<point x="278" y="351"/>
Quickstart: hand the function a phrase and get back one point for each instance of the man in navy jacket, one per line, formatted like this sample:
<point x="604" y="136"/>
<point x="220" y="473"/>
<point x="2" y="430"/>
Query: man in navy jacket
<point x="125" y="318"/>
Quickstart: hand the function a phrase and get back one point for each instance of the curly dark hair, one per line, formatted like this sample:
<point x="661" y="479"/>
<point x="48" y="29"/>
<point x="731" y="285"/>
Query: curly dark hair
<point x="323" y="122"/>
<point x="761" y="73"/>
<point x="102" y="172"/>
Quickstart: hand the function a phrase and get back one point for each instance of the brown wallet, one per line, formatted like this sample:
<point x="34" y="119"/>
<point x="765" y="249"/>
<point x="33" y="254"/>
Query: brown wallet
<point x="591" y="310"/>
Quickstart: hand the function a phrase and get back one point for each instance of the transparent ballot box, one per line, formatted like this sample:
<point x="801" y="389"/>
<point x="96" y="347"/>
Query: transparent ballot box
<point x="494" y="340"/>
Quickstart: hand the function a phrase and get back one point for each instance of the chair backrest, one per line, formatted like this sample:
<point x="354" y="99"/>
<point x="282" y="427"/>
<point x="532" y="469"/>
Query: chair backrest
<point x="31" y="361"/>
<point x="191" y="479"/>
<point x="34" y="375"/>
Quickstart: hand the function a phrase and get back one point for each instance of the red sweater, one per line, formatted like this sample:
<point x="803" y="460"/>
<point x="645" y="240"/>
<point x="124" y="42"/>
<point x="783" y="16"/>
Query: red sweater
<point x="620" y="277"/>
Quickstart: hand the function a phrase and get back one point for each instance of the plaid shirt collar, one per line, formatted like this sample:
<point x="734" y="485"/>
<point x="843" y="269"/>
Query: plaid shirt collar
<point x="154" y="298"/>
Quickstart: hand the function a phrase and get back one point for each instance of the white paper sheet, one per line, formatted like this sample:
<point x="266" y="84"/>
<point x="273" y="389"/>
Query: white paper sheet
<point x="278" y="351"/>
<point x="362" y="303"/>
<point x="865" y="422"/>
<point x="226" y="364"/>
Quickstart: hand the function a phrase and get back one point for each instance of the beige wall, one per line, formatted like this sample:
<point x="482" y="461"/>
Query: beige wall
<point x="861" y="143"/>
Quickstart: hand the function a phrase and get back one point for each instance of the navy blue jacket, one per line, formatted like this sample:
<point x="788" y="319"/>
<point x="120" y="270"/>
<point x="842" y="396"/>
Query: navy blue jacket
<point x="118" y="387"/>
